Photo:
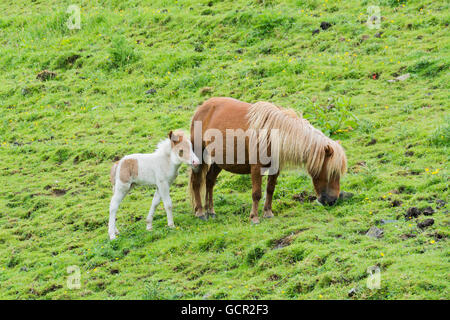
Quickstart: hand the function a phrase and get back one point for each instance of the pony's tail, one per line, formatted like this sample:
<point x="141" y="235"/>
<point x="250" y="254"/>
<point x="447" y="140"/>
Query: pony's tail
<point x="197" y="179"/>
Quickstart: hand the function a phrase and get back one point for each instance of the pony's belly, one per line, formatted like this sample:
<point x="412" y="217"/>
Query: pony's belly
<point x="236" y="168"/>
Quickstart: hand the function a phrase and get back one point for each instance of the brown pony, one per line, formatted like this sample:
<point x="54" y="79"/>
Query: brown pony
<point x="298" y="144"/>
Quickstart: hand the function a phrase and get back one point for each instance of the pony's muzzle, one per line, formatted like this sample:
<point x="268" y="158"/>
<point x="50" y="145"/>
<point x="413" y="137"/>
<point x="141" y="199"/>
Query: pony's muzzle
<point x="327" y="200"/>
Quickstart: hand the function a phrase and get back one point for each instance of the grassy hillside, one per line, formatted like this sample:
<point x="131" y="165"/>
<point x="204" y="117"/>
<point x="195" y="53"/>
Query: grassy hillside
<point x="137" y="69"/>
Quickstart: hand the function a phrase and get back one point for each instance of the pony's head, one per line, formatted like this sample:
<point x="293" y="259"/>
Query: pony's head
<point x="181" y="148"/>
<point x="327" y="180"/>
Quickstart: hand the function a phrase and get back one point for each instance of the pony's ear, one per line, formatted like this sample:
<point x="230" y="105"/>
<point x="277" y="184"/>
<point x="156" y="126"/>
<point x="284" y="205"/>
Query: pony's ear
<point x="328" y="151"/>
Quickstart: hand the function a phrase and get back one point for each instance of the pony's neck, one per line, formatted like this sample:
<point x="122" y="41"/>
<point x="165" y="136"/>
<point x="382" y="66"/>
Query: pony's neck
<point x="299" y="142"/>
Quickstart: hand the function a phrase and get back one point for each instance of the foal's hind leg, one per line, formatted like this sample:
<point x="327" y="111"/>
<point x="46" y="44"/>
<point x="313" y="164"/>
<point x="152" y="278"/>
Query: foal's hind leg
<point x="211" y="177"/>
<point x="271" y="183"/>
<point x="164" y="192"/>
<point x="120" y="192"/>
<point x="151" y="213"/>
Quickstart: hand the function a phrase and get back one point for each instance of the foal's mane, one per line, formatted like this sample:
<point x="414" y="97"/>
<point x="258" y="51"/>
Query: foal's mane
<point x="164" y="146"/>
<point x="300" y="144"/>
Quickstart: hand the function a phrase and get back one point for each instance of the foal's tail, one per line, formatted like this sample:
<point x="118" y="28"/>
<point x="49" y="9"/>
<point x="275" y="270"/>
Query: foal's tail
<point x="112" y="174"/>
<point x="197" y="181"/>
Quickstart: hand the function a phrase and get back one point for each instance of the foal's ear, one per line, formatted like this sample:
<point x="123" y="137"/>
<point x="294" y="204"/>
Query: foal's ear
<point x="175" y="138"/>
<point x="328" y="151"/>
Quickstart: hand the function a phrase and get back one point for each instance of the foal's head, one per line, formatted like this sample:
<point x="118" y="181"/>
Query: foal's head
<point x="181" y="148"/>
<point x="326" y="182"/>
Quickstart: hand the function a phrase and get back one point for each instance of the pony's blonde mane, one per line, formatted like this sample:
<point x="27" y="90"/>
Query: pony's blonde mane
<point x="300" y="144"/>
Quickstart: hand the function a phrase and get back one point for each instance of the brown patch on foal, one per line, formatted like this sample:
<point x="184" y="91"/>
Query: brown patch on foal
<point x="128" y="170"/>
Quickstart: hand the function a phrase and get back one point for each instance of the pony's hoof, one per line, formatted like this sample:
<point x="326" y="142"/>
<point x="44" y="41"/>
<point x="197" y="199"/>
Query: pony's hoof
<point x="268" y="214"/>
<point x="202" y="217"/>
<point x="212" y="216"/>
<point x="255" y="221"/>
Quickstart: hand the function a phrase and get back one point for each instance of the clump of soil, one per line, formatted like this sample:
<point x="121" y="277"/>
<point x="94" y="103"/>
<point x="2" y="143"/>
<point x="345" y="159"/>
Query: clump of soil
<point x="304" y="196"/>
<point x="285" y="241"/>
<point x="428" y="211"/>
<point x="59" y="192"/>
<point x="425" y="223"/>
<point x="316" y="31"/>
<point x="396" y="203"/>
<point x="378" y="34"/>
<point x="206" y="90"/>
<point x="409" y="153"/>
<point x="371" y="142"/>
<point x="412" y="212"/>
<point x="345" y="195"/>
<point x="375" y="232"/>
<point x="440" y="203"/>
<point x="46" y="75"/>
<point x="325" y="25"/>
<point x="407" y="236"/>
<point x="151" y="91"/>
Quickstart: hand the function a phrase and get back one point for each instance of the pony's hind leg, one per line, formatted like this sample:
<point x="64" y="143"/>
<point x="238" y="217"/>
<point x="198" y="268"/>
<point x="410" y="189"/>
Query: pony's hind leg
<point x="211" y="178"/>
<point x="256" y="192"/>
<point x="120" y="192"/>
<point x="151" y="213"/>
<point x="271" y="183"/>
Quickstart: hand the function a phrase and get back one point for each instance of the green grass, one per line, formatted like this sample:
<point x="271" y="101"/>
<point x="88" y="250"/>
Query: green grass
<point x="59" y="138"/>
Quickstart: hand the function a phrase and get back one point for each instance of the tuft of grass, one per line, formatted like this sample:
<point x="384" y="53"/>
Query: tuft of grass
<point x="121" y="53"/>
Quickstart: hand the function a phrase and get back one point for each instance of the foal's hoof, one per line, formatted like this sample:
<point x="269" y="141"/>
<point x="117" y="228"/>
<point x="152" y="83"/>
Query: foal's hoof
<point x="203" y="217"/>
<point x="149" y="228"/>
<point x="112" y="236"/>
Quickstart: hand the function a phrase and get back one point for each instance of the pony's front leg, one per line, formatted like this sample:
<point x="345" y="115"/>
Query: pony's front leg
<point x="271" y="183"/>
<point x="211" y="177"/>
<point x="164" y="192"/>
<point x="119" y="194"/>
<point x="256" y="192"/>
<point x="196" y="182"/>
<point x="151" y="213"/>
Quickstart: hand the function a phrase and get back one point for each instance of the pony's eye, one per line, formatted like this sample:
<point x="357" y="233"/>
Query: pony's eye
<point x="180" y="152"/>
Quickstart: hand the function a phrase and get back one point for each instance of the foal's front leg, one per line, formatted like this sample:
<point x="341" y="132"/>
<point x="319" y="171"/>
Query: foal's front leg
<point x="164" y="192"/>
<point x="256" y="192"/>
<point x="151" y="213"/>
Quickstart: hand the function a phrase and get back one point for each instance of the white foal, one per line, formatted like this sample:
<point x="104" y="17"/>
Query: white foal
<point x="159" y="168"/>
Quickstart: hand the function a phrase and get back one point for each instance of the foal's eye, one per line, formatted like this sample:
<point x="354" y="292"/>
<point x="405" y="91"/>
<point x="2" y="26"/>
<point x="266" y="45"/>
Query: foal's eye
<point x="180" y="152"/>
